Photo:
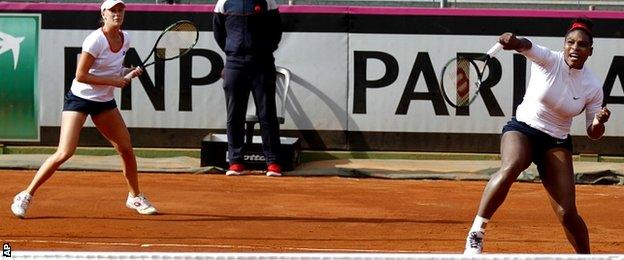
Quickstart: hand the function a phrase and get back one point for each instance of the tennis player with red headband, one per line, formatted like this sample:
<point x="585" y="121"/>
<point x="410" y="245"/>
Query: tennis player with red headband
<point x="560" y="88"/>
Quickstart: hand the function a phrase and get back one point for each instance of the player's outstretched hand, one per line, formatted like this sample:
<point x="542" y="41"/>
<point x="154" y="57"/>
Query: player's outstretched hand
<point x="603" y="115"/>
<point x="511" y="42"/>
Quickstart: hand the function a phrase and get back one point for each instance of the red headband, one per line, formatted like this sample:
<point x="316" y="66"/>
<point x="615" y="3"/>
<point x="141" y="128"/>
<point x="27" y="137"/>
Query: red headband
<point x="581" y="26"/>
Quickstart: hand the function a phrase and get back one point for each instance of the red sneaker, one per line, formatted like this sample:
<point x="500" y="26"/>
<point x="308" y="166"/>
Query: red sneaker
<point x="274" y="170"/>
<point x="236" y="169"/>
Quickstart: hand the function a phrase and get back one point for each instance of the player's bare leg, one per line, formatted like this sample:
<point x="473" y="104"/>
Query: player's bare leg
<point x="557" y="176"/>
<point x="515" y="157"/>
<point x="71" y="124"/>
<point x="111" y="125"/>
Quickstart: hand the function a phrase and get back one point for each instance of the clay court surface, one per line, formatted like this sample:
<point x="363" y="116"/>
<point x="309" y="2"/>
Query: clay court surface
<point x="85" y="211"/>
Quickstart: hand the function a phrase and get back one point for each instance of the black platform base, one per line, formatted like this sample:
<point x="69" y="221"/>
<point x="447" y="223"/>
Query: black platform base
<point x="214" y="153"/>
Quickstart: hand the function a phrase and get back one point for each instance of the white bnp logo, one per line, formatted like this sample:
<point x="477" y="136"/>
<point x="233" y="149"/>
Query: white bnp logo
<point x="8" y="42"/>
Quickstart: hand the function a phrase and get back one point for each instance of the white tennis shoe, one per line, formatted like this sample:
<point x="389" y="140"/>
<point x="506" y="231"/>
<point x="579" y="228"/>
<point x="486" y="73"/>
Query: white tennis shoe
<point x="474" y="243"/>
<point x="140" y="204"/>
<point x="20" y="204"/>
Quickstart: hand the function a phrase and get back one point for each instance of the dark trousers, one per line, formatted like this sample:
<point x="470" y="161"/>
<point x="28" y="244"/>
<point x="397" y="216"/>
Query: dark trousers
<point x="260" y="82"/>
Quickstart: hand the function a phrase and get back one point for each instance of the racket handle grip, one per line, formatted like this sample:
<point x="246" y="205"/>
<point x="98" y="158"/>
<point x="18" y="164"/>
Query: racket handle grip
<point x="128" y="73"/>
<point x="126" y="70"/>
<point x="495" y="49"/>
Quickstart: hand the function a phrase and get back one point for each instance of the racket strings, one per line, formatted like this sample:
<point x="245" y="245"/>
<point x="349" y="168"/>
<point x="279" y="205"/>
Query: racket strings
<point x="457" y="81"/>
<point x="461" y="77"/>
<point x="176" y="41"/>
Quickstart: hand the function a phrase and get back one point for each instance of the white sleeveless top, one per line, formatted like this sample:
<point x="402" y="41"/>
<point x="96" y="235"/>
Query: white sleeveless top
<point x="107" y="64"/>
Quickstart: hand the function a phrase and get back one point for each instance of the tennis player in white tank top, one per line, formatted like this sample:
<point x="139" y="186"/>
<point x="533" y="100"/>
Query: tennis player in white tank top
<point x="107" y="63"/>
<point x="98" y="73"/>
<point x="560" y="88"/>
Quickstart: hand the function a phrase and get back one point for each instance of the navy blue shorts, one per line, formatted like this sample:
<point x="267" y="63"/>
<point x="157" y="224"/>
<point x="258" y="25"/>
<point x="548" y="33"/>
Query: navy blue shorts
<point x="75" y="103"/>
<point x="540" y="141"/>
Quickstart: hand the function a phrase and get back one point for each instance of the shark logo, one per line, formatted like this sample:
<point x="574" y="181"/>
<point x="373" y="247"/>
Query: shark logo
<point x="8" y="42"/>
<point x="19" y="70"/>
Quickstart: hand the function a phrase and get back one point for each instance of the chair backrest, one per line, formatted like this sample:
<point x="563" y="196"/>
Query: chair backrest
<point x="282" y="88"/>
<point x="281" y="91"/>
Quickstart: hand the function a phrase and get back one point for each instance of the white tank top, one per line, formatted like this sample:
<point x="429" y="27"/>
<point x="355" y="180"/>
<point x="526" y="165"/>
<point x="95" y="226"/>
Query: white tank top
<point x="107" y="64"/>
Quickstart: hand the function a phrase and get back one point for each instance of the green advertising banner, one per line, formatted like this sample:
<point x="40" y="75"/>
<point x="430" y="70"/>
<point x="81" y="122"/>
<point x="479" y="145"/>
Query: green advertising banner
<point x="19" y="44"/>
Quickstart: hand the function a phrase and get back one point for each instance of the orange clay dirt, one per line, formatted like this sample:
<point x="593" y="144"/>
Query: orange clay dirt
<point x="85" y="211"/>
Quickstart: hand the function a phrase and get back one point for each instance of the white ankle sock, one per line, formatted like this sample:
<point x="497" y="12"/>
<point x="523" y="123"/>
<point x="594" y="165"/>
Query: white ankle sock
<point x="479" y="224"/>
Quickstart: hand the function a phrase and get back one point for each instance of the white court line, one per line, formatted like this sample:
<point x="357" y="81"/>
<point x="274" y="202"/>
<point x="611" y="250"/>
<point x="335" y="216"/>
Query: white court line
<point x="344" y="254"/>
<point x="205" y="246"/>
<point x="296" y="256"/>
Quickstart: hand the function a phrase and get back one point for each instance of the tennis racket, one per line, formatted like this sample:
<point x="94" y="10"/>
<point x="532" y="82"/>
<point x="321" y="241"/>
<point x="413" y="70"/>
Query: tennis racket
<point x="175" y="41"/>
<point x="461" y="78"/>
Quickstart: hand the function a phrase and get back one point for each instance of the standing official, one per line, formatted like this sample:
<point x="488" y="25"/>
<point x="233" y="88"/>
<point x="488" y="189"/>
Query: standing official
<point x="249" y="31"/>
